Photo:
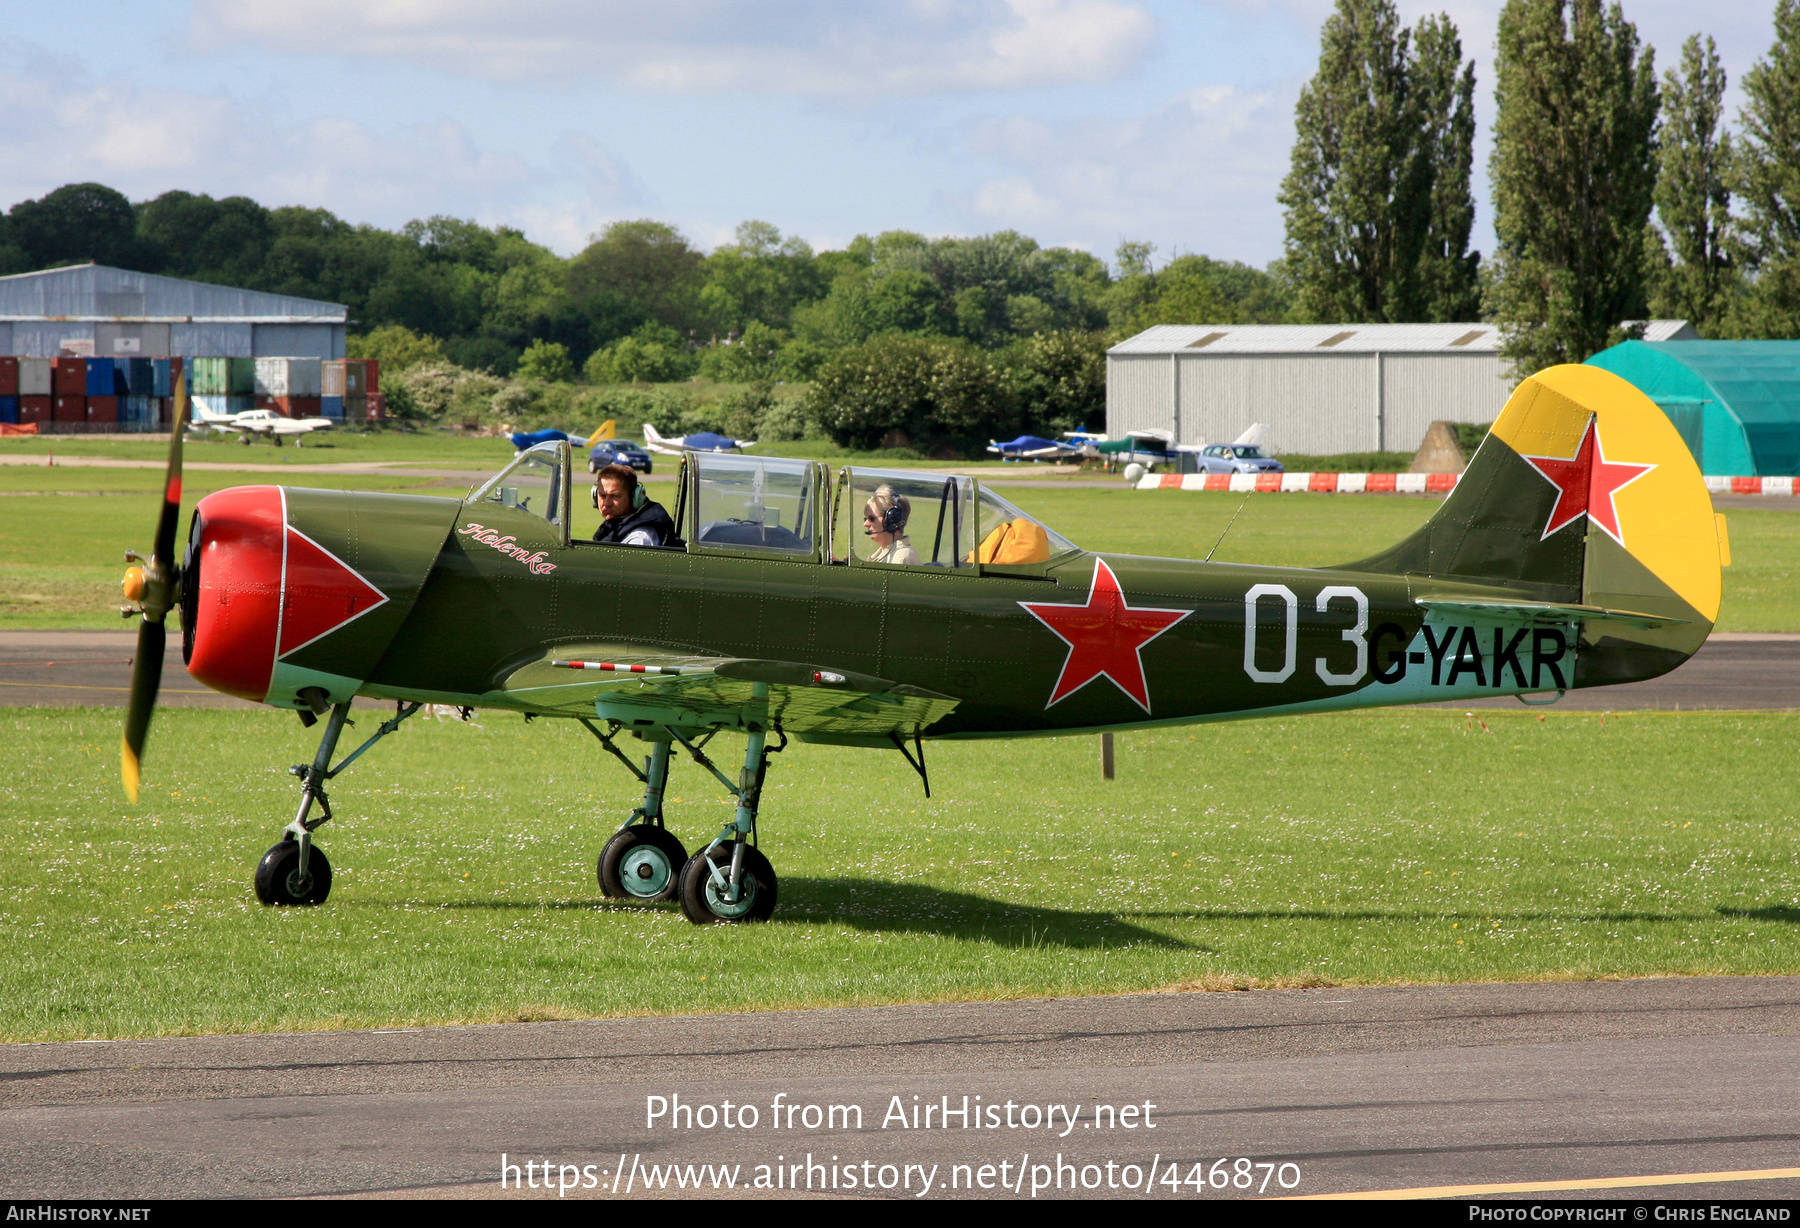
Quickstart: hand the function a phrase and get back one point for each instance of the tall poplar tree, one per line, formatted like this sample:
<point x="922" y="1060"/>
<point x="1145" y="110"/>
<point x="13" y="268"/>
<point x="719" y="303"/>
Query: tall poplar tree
<point x="1574" y="179"/>
<point x="1692" y="199"/>
<point x="1444" y="91"/>
<point x="1377" y="200"/>
<point x="1766" y="177"/>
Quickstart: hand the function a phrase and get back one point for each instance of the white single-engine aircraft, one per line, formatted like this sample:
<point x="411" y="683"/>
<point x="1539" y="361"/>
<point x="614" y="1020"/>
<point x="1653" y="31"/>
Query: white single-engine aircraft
<point x="698" y="441"/>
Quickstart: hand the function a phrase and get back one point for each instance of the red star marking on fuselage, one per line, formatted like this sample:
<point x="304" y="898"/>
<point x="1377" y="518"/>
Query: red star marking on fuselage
<point x="1586" y="483"/>
<point x="1105" y="636"/>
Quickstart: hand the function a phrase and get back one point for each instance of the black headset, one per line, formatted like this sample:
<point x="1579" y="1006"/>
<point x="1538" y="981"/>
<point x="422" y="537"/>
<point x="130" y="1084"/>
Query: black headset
<point x="893" y="518"/>
<point x="639" y="496"/>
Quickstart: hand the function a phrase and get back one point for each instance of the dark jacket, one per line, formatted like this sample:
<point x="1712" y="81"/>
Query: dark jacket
<point x="651" y="516"/>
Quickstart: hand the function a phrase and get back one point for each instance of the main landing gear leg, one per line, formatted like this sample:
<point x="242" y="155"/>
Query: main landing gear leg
<point x="296" y="871"/>
<point x="643" y="860"/>
<point x="731" y="880"/>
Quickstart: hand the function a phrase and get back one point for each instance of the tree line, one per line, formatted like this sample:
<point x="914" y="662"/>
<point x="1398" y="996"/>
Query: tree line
<point x="1618" y="195"/>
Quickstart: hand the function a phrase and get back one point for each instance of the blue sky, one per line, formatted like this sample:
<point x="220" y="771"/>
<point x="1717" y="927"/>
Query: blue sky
<point x="1079" y="122"/>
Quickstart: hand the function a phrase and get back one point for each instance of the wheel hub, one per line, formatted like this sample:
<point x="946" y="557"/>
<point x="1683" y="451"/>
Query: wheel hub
<point x="721" y="907"/>
<point x="645" y="871"/>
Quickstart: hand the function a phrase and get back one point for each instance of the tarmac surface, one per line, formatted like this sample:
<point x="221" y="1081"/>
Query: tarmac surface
<point x="1335" y="1090"/>
<point x="89" y="668"/>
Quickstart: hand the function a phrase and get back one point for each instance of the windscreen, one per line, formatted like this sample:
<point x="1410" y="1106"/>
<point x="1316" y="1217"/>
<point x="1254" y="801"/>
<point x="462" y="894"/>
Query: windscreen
<point x="531" y="484"/>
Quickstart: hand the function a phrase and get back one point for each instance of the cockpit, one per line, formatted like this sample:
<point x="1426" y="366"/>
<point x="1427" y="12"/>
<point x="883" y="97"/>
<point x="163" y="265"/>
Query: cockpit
<point x="800" y="510"/>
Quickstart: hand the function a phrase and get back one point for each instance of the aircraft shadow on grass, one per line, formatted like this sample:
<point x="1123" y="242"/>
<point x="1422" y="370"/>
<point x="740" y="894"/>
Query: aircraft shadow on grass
<point x="913" y="908"/>
<point x="1773" y="912"/>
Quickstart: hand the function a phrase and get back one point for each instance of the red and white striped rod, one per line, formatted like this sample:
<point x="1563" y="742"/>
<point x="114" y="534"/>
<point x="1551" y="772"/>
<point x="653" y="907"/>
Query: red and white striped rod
<point x="612" y="668"/>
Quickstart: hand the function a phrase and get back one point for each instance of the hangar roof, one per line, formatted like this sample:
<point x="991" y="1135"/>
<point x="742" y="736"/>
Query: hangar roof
<point x="99" y="293"/>
<point x="1341" y="338"/>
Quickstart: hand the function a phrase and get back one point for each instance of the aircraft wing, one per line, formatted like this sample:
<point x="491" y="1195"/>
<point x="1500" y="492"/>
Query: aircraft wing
<point x="639" y="687"/>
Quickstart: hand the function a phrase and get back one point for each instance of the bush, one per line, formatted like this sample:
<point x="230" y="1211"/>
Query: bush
<point x="547" y="362"/>
<point x="1059" y="379"/>
<point x="654" y="354"/>
<point x="397" y="348"/>
<point x="750" y="359"/>
<point x="938" y="396"/>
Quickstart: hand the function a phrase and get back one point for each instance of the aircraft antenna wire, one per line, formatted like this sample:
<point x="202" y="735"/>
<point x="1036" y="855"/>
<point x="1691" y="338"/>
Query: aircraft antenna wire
<point x="1227" y="529"/>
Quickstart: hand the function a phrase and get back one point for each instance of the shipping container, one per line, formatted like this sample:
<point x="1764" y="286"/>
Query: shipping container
<point x="167" y="370"/>
<point x="9" y="409"/>
<point x="377" y="407"/>
<point x="288" y="377"/>
<point x="68" y="408"/>
<point x="350" y="377"/>
<point x="107" y="377"/>
<point x="9" y="377"/>
<point x="207" y="376"/>
<point x="356" y="407"/>
<point x="299" y="407"/>
<point x="140" y="376"/>
<point x="68" y="377"/>
<point x="240" y="377"/>
<point x="139" y="409"/>
<point x="103" y="409"/>
<point x="34" y="377"/>
<point x="34" y="408"/>
<point x="332" y="407"/>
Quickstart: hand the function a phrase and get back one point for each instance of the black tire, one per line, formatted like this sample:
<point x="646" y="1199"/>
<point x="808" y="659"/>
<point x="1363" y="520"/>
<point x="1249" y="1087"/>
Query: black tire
<point x="641" y="862"/>
<point x="700" y="900"/>
<point x="277" y="876"/>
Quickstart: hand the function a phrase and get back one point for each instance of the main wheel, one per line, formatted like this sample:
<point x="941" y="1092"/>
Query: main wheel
<point x="278" y="878"/>
<point x="704" y="903"/>
<point x="641" y="862"/>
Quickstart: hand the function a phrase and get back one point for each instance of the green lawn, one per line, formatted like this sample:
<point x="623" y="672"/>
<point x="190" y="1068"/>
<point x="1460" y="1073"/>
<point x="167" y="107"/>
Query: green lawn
<point x="1356" y="849"/>
<point x="331" y="447"/>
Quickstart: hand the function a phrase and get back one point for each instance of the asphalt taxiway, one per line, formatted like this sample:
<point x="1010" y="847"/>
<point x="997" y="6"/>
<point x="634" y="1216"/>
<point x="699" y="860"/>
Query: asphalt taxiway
<point x="1642" y="1089"/>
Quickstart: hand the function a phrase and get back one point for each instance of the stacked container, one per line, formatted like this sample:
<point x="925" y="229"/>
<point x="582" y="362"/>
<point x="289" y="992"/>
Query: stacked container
<point x="9" y="389"/>
<point x="347" y="385"/>
<point x="289" y="386"/>
<point x="34" y="390"/>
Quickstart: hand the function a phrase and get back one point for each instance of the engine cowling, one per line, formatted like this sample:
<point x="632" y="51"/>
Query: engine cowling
<point x="287" y="589"/>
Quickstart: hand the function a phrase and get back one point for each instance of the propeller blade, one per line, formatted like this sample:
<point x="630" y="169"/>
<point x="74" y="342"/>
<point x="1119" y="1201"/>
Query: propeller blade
<point x="160" y="593"/>
<point x="146" y="679"/>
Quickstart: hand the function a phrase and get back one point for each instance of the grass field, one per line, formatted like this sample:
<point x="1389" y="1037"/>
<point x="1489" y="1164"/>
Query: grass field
<point x="1360" y="849"/>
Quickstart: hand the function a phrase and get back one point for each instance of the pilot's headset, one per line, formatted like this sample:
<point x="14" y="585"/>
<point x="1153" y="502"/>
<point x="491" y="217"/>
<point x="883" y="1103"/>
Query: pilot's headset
<point x="639" y="496"/>
<point x="893" y="509"/>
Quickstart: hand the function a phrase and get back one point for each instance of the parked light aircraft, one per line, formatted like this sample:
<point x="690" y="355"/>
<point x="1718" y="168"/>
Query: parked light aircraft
<point x="259" y="422"/>
<point x="1579" y="549"/>
<point x="698" y="441"/>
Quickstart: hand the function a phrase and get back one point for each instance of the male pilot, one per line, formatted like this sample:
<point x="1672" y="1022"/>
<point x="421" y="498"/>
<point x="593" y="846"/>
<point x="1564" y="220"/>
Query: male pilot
<point x="631" y="518"/>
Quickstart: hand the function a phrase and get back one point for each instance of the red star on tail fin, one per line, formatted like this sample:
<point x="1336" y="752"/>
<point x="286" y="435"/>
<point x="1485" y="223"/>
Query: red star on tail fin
<point x="1586" y="483"/>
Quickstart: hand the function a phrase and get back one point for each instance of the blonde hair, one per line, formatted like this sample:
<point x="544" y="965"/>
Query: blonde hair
<point x="884" y="501"/>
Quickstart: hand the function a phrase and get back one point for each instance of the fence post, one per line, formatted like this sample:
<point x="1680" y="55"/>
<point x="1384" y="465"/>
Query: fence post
<point x="1106" y="756"/>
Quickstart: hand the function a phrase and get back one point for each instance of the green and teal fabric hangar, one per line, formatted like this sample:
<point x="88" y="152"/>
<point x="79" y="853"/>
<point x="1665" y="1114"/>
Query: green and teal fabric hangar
<point x="1736" y="403"/>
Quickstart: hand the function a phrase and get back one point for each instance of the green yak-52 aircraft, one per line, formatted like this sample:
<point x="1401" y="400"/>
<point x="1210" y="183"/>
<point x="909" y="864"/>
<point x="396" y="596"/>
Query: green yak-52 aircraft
<point x="1579" y="549"/>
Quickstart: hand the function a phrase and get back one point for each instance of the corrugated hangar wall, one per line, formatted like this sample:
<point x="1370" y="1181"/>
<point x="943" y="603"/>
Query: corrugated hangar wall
<point x="1313" y="403"/>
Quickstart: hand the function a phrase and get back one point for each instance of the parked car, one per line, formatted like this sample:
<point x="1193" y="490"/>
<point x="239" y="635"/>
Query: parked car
<point x="1239" y="458"/>
<point x="618" y="452"/>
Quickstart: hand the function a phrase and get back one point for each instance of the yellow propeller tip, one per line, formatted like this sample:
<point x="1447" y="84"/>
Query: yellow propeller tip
<point x="128" y="770"/>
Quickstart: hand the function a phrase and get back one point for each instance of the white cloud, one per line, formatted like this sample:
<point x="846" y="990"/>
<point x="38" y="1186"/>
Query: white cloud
<point x="1200" y="174"/>
<point x="57" y="126"/>
<point x="832" y="48"/>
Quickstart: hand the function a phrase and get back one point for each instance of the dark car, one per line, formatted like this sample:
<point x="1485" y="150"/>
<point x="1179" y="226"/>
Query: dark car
<point x="618" y="452"/>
